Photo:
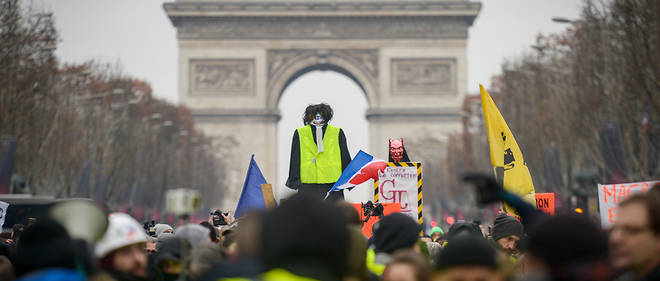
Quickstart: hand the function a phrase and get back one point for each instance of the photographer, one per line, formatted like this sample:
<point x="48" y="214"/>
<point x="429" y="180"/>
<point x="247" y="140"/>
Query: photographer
<point x="219" y="219"/>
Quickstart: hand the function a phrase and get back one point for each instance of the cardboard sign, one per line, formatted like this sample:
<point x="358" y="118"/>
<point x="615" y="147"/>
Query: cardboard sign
<point x="388" y="208"/>
<point x="609" y="197"/>
<point x="546" y="202"/>
<point x="401" y="183"/>
<point x="269" y="199"/>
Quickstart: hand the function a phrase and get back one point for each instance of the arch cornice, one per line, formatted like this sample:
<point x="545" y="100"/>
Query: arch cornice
<point x="285" y="66"/>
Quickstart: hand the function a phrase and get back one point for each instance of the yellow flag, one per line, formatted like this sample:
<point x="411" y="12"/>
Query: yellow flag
<point x="505" y="153"/>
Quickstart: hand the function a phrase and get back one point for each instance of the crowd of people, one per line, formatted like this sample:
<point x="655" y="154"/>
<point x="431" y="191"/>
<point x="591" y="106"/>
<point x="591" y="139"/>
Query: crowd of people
<point x="309" y="239"/>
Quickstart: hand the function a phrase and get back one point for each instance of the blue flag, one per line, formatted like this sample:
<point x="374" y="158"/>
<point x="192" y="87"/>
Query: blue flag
<point x="252" y="198"/>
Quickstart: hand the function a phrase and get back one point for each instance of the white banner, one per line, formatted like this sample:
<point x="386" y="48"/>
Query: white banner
<point x="3" y="212"/>
<point x="399" y="184"/>
<point x="610" y="195"/>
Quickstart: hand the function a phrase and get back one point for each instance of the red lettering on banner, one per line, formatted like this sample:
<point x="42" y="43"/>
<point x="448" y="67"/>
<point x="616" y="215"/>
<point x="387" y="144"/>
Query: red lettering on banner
<point x="607" y="193"/>
<point x="629" y="188"/>
<point x="401" y="193"/>
<point x="622" y="193"/>
<point x="393" y="194"/>
<point x="382" y="189"/>
<point x="645" y="186"/>
<point x="611" y="214"/>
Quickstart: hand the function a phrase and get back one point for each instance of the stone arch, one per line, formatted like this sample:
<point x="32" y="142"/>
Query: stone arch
<point x="289" y="69"/>
<point x="237" y="57"/>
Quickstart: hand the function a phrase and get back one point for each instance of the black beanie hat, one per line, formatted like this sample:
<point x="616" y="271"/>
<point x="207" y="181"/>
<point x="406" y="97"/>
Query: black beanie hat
<point x="566" y="239"/>
<point x="394" y="232"/>
<point x="466" y="250"/>
<point x="42" y="245"/>
<point x="305" y="230"/>
<point x="463" y="226"/>
<point x="506" y="225"/>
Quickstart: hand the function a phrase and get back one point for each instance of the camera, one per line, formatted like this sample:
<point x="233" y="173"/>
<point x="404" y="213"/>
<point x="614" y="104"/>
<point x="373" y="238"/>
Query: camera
<point x="370" y="209"/>
<point x="217" y="217"/>
<point x="150" y="228"/>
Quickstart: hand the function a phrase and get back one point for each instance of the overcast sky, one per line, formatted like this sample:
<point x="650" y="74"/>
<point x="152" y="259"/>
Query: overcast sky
<point x="138" y="35"/>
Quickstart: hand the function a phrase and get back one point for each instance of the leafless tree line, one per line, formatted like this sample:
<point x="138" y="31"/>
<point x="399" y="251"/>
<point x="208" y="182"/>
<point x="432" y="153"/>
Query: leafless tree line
<point x="584" y="105"/>
<point x="89" y="130"/>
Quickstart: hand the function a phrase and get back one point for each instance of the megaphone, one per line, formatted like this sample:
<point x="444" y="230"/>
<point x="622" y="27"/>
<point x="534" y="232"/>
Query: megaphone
<point x="82" y="219"/>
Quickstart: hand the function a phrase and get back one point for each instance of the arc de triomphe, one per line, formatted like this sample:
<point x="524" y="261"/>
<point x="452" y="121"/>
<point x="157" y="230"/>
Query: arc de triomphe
<point x="236" y="57"/>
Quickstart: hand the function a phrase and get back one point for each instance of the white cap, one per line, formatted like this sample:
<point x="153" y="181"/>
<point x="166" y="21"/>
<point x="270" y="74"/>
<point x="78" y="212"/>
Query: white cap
<point x="123" y="230"/>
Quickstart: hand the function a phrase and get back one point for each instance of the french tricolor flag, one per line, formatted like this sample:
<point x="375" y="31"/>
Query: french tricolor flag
<point x="362" y="168"/>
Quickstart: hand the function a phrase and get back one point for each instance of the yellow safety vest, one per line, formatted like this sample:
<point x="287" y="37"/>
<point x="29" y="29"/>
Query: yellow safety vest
<point x="315" y="167"/>
<point x="279" y="274"/>
<point x="375" y="268"/>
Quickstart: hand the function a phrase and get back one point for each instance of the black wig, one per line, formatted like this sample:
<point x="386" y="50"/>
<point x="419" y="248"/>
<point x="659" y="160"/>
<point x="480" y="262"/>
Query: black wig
<point x="310" y="112"/>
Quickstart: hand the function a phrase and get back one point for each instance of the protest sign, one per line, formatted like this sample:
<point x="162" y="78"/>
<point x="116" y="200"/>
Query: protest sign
<point x="546" y="202"/>
<point x="610" y="195"/>
<point x="269" y="198"/>
<point x="388" y="208"/>
<point x="401" y="183"/>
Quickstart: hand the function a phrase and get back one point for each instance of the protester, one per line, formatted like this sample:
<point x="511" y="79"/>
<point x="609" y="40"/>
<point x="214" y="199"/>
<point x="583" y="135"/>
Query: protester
<point x="245" y="262"/>
<point x="426" y="238"/>
<point x="394" y="232"/>
<point x="230" y="246"/>
<point x="357" y="244"/>
<point x="507" y="232"/>
<point x="161" y="228"/>
<point x="437" y="235"/>
<point x="460" y="228"/>
<point x="169" y="262"/>
<point x="150" y="247"/>
<point x="16" y="232"/>
<point x="304" y="237"/>
<point x="467" y="257"/>
<point x="566" y="247"/>
<point x="46" y="251"/>
<point x="635" y="237"/>
<point x="407" y="265"/>
<point x="120" y="252"/>
<point x="434" y="249"/>
<point x="203" y="258"/>
<point x="162" y="238"/>
<point x="6" y="269"/>
<point x="213" y="232"/>
<point x="194" y="233"/>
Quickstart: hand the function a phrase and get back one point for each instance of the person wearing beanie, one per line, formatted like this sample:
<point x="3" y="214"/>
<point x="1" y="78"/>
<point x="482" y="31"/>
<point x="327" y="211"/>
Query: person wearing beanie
<point x="394" y="232"/>
<point x="460" y="228"/>
<point x="437" y="234"/>
<point x="467" y="257"/>
<point x="45" y="252"/>
<point x="507" y="232"/>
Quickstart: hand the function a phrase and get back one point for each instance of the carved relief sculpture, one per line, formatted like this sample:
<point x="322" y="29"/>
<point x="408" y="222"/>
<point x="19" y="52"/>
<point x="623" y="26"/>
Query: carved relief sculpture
<point x="423" y="76"/>
<point x="218" y="77"/>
